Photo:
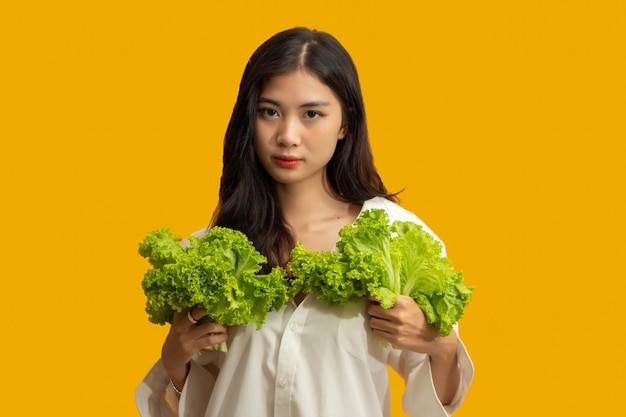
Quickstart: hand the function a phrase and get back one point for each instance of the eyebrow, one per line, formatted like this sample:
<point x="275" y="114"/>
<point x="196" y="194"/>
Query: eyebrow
<point x="319" y="103"/>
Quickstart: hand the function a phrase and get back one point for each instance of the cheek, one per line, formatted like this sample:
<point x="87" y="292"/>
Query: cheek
<point x="262" y="132"/>
<point x="259" y="135"/>
<point x="259" y="149"/>
<point x="325" y="150"/>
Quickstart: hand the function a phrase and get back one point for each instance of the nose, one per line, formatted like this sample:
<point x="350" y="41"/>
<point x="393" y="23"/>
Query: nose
<point x="288" y="133"/>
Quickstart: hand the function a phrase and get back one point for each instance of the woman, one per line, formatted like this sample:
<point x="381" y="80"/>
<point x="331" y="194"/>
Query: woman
<point x="298" y="167"/>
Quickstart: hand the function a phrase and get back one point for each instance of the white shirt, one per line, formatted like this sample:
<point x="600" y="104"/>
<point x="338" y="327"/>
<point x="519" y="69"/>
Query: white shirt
<point x="308" y="360"/>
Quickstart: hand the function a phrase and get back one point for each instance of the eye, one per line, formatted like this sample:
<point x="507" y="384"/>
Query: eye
<point x="312" y="114"/>
<point x="267" y="112"/>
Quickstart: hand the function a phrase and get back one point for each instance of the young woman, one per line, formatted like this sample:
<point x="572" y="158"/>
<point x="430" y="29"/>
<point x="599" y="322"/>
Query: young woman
<point x="298" y="167"/>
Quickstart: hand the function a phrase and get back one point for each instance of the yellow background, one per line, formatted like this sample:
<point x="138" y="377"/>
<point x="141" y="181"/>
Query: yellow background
<point x="503" y="121"/>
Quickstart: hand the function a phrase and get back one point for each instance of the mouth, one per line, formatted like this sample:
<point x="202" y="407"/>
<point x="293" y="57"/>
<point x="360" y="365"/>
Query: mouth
<point x="287" y="161"/>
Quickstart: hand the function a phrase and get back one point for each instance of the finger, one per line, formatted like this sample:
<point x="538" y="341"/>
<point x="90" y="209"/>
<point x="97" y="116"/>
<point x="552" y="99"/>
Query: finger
<point x="199" y="336"/>
<point x="373" y="299"/>
<point x="196" y="333"/>
<point x="404" y="301"/>
<point x="209" y="328"/>
<point x="375" y="310"/>
<point x="180" y="318"/>
<point x="381" y="325"/>
<point x="196" y="314"/>
<point x="199" y="312"/>
<point x="207" y="341"/>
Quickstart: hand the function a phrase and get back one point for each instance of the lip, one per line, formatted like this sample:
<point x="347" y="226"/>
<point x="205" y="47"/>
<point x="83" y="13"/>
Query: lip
<point x="286" y="161"/>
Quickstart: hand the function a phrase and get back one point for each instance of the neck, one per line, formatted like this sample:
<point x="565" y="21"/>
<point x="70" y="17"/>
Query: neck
<point x="315" y="216"/>
<point x="297" y="200"/>
<point x="305" y="204"/>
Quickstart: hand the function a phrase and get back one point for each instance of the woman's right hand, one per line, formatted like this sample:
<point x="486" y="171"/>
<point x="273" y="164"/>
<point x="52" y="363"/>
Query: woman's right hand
<point x="185" y="339"/>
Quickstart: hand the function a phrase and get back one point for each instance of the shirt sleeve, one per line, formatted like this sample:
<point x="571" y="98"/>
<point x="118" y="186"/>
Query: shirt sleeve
<point x="420" y="398"/>
<point x="155" y="396"/>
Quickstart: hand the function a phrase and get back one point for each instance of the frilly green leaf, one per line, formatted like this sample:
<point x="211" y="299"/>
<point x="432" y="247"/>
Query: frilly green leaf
<point x="385" y="260"/>
<point x="218" y="271"/>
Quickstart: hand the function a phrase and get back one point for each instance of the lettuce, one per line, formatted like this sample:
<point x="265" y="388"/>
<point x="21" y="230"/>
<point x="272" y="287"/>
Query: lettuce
<point x="336" y="278"/>
<point x="218" y="271"/>
<point x="385" y="260"/>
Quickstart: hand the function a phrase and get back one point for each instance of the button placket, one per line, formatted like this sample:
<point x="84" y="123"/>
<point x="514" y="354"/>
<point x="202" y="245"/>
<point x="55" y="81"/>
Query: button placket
<point x="288" y="356"/>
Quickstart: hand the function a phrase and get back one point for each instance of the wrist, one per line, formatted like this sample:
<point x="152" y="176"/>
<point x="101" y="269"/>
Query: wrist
<point x="445" y="349"/>
<point x="177" y="390"/>
<point x="178" y="379"/>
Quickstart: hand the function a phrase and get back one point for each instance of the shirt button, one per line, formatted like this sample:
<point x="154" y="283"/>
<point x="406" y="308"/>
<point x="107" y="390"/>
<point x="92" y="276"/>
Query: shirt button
<point x="282" y="383"/>
<point x="293" y="326"/>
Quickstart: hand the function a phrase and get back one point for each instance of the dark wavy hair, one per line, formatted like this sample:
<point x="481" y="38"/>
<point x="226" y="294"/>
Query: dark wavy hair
<point x="246" y="197"/>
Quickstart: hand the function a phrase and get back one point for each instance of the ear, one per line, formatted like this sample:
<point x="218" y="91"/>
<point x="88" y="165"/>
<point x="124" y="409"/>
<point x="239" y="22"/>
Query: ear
<point x="342" y="132"/>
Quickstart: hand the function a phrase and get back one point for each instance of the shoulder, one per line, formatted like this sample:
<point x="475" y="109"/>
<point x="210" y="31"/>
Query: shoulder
<point x="198" y="234"/>
<point x="397" y="212"/>
<point x="394" y="210"/>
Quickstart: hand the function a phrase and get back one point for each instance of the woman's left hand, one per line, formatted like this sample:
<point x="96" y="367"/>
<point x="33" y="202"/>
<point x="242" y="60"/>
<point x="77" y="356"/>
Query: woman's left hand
<point x="405" y="326"/>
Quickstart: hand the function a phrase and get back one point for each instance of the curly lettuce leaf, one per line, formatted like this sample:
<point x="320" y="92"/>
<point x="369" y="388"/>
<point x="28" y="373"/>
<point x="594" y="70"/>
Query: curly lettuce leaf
<point x="218" y="271"/>
<point x="160" y="247"/>
<point x="386" y="260"/>
<point x="328" y="273"/>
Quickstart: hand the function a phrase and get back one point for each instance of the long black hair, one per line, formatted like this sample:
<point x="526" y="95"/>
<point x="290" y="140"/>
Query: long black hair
<point x="246" y="197"/>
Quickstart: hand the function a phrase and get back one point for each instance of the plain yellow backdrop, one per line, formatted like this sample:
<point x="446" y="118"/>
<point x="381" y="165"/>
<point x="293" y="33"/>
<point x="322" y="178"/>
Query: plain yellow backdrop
<point x="504" y="123"/>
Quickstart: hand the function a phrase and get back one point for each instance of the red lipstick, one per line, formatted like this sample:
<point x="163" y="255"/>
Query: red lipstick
<point x="286" y="161"/>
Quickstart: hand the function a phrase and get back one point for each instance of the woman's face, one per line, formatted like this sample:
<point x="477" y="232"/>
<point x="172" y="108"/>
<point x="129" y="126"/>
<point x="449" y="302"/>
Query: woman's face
<point x="298" y="124"/>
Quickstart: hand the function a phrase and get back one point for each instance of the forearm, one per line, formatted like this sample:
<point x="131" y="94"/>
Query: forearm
<point x="445" y="370"/>
<point x="178" y="376"/>
<point x="155" y="397"/>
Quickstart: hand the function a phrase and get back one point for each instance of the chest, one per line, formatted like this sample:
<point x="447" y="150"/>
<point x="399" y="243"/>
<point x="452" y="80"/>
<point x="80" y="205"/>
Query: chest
<point x="319" y="240"/>
<point x="322" y="234"/>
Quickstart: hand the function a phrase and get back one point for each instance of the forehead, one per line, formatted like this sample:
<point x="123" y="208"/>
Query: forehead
<point x="297" y="86"/>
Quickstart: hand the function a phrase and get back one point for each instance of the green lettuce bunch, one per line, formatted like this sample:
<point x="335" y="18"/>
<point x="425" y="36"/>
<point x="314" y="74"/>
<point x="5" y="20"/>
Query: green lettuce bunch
<point x="385" y="260"/>
<point x="218" y="271"/>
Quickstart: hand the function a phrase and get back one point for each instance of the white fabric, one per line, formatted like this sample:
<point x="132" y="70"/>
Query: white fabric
<point x="309" y="360"/>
